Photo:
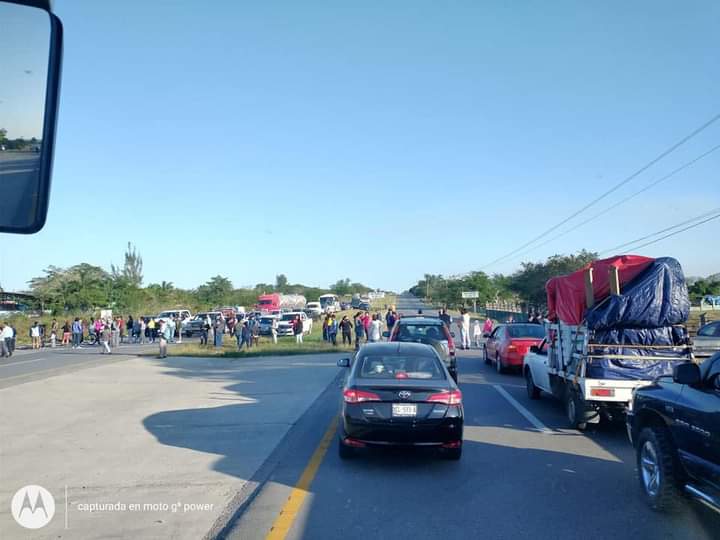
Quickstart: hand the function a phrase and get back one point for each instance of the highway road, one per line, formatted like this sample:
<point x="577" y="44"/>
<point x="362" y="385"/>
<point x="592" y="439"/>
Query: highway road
<point x="253" y="440"/>
<point x="19" y="178"/>
<point x="523" y="474"/>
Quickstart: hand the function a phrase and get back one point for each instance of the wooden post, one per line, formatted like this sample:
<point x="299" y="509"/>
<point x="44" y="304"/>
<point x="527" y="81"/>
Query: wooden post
<point x="614" y="281"/>
<point x="589" y="294"/>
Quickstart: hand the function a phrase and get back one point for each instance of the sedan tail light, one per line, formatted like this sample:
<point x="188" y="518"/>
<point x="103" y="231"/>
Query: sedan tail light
<point x="358" y="396"/>
<point x="453" y="397"/>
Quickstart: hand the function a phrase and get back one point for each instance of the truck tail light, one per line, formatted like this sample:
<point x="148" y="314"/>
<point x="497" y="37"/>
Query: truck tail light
<point x="602" y="392"/>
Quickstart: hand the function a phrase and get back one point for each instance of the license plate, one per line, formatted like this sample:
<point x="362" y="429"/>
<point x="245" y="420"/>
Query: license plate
<point x="402" y="409"/>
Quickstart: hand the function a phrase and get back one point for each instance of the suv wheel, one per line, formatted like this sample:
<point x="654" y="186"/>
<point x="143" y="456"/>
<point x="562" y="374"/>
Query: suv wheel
<point x="657" y="469"/>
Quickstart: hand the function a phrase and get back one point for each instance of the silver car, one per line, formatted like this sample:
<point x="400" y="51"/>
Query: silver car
<point x="707" y="340"/>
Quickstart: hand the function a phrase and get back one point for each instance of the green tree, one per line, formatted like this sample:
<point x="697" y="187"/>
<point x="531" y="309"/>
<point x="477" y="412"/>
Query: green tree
<point x="704" y="287"/>
<point x="215" y="292"/>
<point x="281" y="282"/>
<point x="341" y="287"/>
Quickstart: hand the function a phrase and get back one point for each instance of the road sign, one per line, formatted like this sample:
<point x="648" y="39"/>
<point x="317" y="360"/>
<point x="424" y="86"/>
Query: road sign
<point x="470" y="294"/>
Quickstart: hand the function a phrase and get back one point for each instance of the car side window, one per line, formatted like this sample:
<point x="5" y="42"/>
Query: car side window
<point x="710" y="330"/>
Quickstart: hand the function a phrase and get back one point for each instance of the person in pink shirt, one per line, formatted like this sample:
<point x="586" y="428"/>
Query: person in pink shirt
<point x="98" y="330"/>
<point x="366" y="320"/>
<point x="488" y="326"/>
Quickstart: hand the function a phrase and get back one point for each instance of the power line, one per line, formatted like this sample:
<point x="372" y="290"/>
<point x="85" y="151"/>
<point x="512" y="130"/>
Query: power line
<point x="612" y="189"/>
<point x="716" y="211"/>
<point x="624" y="200"/>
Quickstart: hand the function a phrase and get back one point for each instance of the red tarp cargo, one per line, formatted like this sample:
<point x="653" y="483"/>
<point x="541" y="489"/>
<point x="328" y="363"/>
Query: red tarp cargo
<point x="566" y="294"/>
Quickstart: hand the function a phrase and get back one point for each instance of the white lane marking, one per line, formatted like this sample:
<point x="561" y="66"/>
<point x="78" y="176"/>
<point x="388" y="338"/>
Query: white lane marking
<point x="10" y="364"/>
<point x="530" y="417"/>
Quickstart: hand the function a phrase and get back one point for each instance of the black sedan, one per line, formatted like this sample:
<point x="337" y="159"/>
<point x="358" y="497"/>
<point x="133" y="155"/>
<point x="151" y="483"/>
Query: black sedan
<point x="400" y="394"/>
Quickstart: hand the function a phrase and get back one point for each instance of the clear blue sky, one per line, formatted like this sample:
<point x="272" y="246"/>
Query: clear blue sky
<point x="373" y="140"/>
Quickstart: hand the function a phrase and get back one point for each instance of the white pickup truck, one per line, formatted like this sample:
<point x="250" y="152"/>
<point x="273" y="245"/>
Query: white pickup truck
<point x="562" y="366"/>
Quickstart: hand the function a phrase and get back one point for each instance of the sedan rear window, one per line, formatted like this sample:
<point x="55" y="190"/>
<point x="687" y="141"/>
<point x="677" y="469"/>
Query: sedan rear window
<point x="526" y="331"/>
<point x="400" y="367"/>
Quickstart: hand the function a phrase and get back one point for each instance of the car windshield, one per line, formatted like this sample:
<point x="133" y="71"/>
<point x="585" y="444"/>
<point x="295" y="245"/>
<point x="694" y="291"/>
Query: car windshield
<point x="535" y="331"/>
<point x="289" y="316"/>
<point x="266" y="320"/>
<point x="397" y="366"/>
<point x="421" y="331"/>
<point x="265" y="302"/>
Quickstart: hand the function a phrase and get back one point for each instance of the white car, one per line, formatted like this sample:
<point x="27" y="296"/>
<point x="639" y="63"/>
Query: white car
<point x="314" y="309"/>
<point x="285" y="323"/>
<point x="172" y="313"/>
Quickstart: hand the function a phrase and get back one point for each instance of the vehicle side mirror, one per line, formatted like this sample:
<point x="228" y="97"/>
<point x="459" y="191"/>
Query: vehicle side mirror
<point x="486" y="335"/>
<point x="686" y="373"/>
<point x="386" y="334"/>
<point x="535" y="349"/>
<point x="343" y="362"/>
<point x="31" y="44"/>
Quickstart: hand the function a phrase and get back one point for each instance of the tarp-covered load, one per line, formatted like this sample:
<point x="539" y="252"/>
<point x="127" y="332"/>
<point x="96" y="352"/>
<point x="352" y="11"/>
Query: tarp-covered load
<point x="566" y="294"/>
<point x="642" y="321"/>
<point x="655" y="298"/>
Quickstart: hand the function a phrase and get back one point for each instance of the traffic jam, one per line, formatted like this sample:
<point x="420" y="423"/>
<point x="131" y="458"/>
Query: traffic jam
<point x="613" y="351"/>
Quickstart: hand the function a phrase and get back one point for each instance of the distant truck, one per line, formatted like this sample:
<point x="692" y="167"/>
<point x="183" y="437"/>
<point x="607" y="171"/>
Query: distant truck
<point x="330" y="303"/>
<point x="267" y="303"/>
<point x="602" y="345"/>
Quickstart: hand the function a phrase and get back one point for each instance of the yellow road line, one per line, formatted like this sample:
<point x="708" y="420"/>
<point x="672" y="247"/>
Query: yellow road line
<point x="290" y="509"/>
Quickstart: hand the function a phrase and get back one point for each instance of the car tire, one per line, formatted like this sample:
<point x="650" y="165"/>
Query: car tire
<point x="533" y="391"/>
<point x="344" y="451"/>
<point x="498" y="364"/>
<point x="485" y="356"/>
<point x="575" y="410"/>
<point x="658" y="470"/>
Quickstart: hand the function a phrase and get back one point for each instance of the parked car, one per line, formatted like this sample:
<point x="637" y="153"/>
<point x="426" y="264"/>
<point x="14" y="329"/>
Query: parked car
<point x="674" y="426"/>
<point x="430" y="331"/>
<point x="285" y="323"/>
<point x="344" y="306"/>
<point x="364" y="305"/>
<point x="195" y="326"/>
<point x="266" y="324"/>
<point x="313" y="310"/>
<point x="508" y="344"/>
<point x="707" y="340"/>
<point x="400" y="394"/>
<point x="172" y="313"/>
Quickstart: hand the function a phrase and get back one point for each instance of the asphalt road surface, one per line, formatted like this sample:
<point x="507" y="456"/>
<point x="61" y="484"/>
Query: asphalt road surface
<point x="523" y="474"/>
<point x="19" y="178"/>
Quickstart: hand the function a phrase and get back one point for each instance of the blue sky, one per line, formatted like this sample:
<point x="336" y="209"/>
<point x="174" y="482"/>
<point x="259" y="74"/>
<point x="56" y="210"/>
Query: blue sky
<point x="372" y="140"/>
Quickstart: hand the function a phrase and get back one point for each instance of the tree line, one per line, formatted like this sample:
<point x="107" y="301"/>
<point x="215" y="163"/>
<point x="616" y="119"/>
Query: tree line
<point x="85" y="288"/>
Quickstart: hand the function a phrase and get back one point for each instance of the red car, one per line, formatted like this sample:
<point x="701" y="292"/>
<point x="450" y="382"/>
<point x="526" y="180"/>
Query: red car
<point x="509" y="343"/>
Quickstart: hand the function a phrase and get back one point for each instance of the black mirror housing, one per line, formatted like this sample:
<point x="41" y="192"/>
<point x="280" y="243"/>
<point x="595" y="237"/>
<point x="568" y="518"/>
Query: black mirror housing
<point x="686" y="373"/>
<point x="386" y="334"/>
<point x="26" y="159"/>
<point x="343" y="362"/>
<point x="534" y="349"/>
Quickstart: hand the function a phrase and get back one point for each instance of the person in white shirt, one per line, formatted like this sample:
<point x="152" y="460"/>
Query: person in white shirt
<point x="6" y="335"/>
<point x="35" y="335"/>
<point x="465" y="328"/>
<point x="375" y="329"/>
<point x="477" y="333"/>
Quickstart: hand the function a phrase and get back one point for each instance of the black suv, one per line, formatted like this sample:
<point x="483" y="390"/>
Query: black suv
<point x="430" y="331"/>
<point x="675" y="428"/>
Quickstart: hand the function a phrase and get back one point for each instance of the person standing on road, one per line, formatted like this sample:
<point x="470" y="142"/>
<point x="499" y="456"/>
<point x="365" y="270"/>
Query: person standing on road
<point x="375" y="329"/>
<point x="359" y="330"/>
<point x="106" y="337"/>
<point x="488" y="326"/>
<point x="66" y="333"/>
<point x="274" y="329"/>
<point x="165" y="336"/>
<point x="98" y="331"/>
<point x="115" y="332"/>
<point x="53" y="333"/>
<point x="298" y="330"/>
<point x="346" y="328"/>
<point x="4" y="340"/>
<point x="366" y="320"/>
<point x="204" y="330"/>
<point x="35" y="335"/>
<point x="218" y="332"/>
<point x="332" y="327"/>
<point x="477" y="333"/>
<point x="465" y="328"/>
<point x="130" y="325"/>
<point x="390" y="319"/>
<point x="76" y="333"/>
<point x="444" y="317"/>
<point x="244" y="335"/>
